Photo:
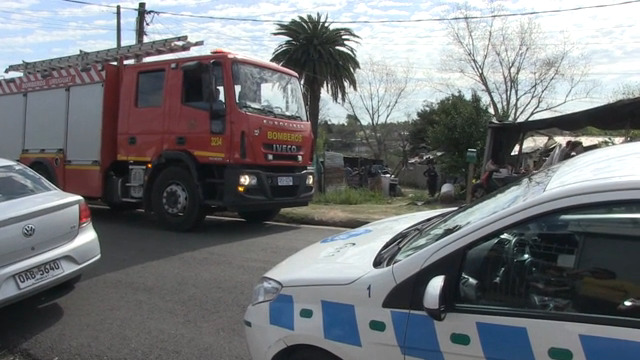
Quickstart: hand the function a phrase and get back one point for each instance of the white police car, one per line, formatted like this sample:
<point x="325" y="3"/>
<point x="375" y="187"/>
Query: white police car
<point x="544" y="269"/>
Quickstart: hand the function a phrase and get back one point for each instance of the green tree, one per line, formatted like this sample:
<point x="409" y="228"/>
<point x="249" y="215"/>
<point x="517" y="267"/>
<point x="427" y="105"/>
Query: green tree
<point x="322" y="56"/>
<point x="453" y="125"/>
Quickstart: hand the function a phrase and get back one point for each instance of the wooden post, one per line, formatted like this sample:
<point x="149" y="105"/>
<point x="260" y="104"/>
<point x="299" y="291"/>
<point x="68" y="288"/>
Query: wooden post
<point x="469" y="181"/>
<point x="142" y="12"/>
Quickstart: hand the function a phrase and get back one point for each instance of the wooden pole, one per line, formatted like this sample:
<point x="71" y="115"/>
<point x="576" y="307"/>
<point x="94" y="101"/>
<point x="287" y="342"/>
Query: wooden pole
<point x="470" y="181"/>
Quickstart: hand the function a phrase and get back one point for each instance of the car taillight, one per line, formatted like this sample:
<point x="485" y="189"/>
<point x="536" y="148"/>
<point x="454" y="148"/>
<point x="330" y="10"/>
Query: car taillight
<point x="85" y="215"/>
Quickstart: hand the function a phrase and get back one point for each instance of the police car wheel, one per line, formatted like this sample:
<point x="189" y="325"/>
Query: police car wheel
<point x="312" y="354"/>
<point x="175" y="200"/>
<point x="258" y="216"/>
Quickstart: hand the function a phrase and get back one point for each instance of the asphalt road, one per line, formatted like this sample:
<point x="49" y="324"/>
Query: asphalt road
<point x="155" y="294"/>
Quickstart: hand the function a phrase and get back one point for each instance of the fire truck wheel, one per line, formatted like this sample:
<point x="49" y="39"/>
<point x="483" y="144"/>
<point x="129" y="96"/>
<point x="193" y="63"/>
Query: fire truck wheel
<point x="44" y="172"/>
<point x="258" y="216"/>
<point x="174" y="199"/>
<point x="122" y="207"/>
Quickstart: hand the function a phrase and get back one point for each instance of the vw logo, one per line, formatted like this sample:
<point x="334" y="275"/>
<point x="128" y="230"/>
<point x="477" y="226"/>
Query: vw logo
<point x="28" y="230"/>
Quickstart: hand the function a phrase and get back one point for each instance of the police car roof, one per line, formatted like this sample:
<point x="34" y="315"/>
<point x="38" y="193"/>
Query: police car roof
<point x="611" y="164"/>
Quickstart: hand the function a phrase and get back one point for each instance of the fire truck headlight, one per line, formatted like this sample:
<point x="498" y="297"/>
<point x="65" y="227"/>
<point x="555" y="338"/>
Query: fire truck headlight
<point x="309" y="180"/>
<point x="247" y="180"/>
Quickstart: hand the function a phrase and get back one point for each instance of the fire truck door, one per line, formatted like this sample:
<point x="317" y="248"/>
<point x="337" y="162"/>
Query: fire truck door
<point x="146" y="120"/>
<point x="197" y="114"/>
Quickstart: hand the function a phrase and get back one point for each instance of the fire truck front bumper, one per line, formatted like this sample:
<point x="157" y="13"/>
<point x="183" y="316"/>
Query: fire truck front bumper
<point x="258" y="190"/>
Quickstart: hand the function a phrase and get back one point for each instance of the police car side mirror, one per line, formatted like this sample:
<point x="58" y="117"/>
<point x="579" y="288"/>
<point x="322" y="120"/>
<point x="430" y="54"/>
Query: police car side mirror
<point x="433" y="299"/>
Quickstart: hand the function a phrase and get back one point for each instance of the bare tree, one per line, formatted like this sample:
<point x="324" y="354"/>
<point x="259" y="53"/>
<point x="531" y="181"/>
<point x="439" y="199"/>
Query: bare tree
<point x="520" y="71"/>
<point x="383" y="92"/>
<point x="626" y="91"/>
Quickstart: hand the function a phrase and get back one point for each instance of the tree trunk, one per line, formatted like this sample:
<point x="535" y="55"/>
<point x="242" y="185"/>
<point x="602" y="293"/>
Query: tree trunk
<point x="314" y="107"/>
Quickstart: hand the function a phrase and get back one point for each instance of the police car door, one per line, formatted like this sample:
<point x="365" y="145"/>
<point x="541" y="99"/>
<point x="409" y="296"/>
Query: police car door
<point x="561" y="285"/>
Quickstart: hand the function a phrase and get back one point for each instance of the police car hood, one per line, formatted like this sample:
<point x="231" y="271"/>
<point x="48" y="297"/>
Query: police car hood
<point x="343" y="258"/>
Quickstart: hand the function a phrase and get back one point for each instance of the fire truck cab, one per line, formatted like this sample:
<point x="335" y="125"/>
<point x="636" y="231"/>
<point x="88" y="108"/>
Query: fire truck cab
<point x="180" y="138"/>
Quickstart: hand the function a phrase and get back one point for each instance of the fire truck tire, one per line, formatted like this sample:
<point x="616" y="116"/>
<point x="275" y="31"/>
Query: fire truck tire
<point x="174" y="200"/>
<point x="42" y="170"/>
<point x="258" y="216"/>
<point x="122" y="207"/>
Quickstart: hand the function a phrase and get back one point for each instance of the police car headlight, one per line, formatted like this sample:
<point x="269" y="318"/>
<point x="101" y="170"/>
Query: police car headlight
<point x="247" y="180"/>
<point x="266" y="290"/>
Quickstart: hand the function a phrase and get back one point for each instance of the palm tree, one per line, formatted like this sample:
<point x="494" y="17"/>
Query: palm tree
<point x="321" y="56"/>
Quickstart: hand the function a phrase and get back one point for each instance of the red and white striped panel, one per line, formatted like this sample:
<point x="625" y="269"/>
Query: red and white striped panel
<point x="58" y="78"/>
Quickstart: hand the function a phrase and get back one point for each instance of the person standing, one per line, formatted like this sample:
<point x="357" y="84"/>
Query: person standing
<point x="432" y="179"/>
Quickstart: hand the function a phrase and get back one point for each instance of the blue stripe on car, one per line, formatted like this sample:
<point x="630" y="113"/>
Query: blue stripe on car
<point x="504" y="342"/>
<point x="602" y="348"/>
<point x="418" y="334"/>
<point x="281" y="311"/>
<point x="339" y="323"/>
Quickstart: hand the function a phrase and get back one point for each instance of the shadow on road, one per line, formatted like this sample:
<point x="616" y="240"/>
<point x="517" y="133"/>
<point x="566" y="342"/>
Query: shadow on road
<point x="31" y="316"/>
<point x="134" y="238"/>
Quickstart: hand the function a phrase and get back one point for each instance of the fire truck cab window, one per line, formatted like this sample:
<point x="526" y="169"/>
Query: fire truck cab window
<point x="150" y="89"/>
<point x="193" y="87"/>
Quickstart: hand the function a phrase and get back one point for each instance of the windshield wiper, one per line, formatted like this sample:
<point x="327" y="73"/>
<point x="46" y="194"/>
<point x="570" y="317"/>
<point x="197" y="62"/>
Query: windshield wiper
<point x="260" y="110"/>
<point x="393" y="247"/>
<point x="289" y="116"/>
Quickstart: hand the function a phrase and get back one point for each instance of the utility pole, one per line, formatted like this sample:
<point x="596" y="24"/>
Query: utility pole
<point x="142" y="12"/>
<point x="118" y="28"/>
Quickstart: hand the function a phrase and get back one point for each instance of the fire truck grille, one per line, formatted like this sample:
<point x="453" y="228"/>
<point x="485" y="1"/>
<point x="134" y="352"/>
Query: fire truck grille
<point x="284" y="191"/>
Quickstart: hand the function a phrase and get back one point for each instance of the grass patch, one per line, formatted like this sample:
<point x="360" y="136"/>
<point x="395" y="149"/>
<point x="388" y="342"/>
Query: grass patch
<point x="349" y="196"/>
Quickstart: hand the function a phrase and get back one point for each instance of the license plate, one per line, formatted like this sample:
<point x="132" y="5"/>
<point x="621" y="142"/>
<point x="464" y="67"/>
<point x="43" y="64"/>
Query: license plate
<point x="285" y="180"/>
<point x="38" y="274"/>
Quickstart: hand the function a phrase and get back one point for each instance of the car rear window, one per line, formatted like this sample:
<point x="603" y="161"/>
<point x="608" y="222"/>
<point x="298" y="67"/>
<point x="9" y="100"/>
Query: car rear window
<point x="18" y="181"/>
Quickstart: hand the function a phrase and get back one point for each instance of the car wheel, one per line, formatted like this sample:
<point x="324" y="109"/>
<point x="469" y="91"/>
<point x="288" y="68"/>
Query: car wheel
<point x="258" y="216"/>
<point x="175" y="200"/>
<point x="312" y="354"/>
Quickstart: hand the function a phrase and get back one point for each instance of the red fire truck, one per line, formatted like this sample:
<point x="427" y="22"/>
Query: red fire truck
<point x="180" y="138"/>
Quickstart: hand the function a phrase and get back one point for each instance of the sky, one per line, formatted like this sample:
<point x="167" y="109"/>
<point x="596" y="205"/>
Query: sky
<point x="394" y="31"/>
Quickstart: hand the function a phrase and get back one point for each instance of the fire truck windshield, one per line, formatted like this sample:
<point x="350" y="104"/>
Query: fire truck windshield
<point x="268" y="92"/>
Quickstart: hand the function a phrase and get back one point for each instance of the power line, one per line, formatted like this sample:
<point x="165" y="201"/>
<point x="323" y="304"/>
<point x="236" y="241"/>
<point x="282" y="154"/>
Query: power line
<point x="456" y="18"/>
<point x="103" y="5"/>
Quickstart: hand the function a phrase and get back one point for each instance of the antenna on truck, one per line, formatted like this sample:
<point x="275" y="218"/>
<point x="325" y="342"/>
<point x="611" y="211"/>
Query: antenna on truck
<point x="151" y="48"/>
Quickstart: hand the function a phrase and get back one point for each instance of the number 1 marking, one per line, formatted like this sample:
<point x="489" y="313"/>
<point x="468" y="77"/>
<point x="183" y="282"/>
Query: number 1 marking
<point x="369" y="289"/>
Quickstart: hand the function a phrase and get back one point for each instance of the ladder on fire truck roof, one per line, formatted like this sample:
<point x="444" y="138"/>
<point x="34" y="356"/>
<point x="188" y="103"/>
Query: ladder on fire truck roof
<point x="151" y="48"/>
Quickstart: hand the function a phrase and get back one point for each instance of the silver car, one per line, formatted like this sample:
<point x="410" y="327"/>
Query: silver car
<point x="46" y="235"/>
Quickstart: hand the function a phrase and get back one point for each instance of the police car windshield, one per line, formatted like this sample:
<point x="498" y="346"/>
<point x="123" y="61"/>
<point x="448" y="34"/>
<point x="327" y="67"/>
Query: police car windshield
<point x="516" y="193"/>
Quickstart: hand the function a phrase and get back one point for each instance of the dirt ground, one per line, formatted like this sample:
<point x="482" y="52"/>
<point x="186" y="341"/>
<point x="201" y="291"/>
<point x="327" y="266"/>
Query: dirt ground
<point x="349" y="216"/>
